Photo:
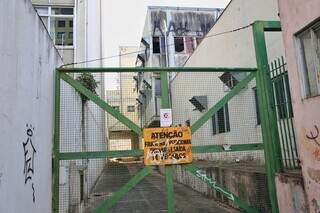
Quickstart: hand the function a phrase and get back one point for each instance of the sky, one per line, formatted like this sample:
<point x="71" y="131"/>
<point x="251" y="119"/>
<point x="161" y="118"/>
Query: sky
<point x="127" y="18"/>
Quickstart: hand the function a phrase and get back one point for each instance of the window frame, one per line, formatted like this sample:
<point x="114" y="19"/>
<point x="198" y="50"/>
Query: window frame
<point x="49" y="15"/>
<point x="184" y="46"/>
<point x="302" y="61"/>
<point x="129" y="107"/>
<point x="226" y="121"/>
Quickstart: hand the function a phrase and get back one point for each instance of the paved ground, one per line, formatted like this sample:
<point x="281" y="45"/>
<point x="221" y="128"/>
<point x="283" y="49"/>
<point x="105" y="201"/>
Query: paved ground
<point x="149" y="195"/>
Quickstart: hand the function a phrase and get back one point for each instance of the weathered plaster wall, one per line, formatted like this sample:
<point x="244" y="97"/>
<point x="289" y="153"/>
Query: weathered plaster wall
<point x="28" y="60"/>
<point x="292" y="193"/>
<point x="295" y="15"/>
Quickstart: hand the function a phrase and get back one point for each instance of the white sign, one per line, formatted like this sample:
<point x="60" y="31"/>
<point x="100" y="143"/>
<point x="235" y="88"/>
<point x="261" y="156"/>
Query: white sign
<point x="165" y="117"/>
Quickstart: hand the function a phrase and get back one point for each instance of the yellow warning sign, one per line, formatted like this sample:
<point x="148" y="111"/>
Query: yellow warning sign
<point x="167" y="145"/>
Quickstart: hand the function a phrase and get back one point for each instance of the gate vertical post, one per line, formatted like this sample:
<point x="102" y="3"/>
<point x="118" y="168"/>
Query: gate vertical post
<point x="56" y="142"/>
<point x="165" y="103"/>
<point x="267" y="113"/>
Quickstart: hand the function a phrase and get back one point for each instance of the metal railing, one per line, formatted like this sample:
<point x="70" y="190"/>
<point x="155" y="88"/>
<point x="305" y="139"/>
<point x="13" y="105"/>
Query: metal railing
<point x="283" y="106"/>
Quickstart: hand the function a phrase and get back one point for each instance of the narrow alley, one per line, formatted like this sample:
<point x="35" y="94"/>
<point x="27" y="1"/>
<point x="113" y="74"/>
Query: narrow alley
<point x="149" y="194"/>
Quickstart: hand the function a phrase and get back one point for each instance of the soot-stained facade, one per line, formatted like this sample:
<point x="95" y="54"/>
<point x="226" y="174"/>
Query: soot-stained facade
<point x="169" y="37"/>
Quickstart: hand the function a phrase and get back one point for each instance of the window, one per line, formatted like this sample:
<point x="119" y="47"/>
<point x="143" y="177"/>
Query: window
<point x="131" y="108"/>
<point x="309" y="60"/>
<point x="190" y="44"/>
<point x="59" y="23"/>
<point x="282" y="97"/>
<point x="229" y="79"/>
<point x="156" y="44"/>
<point x="116" y="108"/>
<point x="157" y="87"/>
<point x="179" y="44"/>
<point x="220" y="121"/>
<point x="81" y="185"/>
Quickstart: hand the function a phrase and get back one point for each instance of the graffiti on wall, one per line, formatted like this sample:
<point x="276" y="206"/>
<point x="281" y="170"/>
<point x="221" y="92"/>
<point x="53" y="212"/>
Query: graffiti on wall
<point x="313" y="135"/>
<point x="316" y="154"/>
<point x="213" y="184"/>
<point x="182" y="23"/>
<point x="29" y="155"/>
<point x="181" y="28"/>
<point x="314" y="174"/>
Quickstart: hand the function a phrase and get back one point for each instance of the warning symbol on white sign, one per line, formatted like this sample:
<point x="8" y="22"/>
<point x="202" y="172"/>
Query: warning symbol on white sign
<point x="165" y="117"/>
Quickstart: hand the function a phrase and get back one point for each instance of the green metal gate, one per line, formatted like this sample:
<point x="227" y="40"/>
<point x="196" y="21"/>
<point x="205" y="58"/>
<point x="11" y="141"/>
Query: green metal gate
<point x="270" y="145"/>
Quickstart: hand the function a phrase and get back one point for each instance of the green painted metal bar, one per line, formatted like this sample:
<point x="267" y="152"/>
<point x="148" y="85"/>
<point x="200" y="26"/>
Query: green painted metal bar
<point x="158" y="69"/>
<point x="56" y="145"/>
<point x="201" y="174"/>
<point x="204" y="118"/>
<point x="101" y="154"/>
<point x="107" y="204"/>
<point x="139" y="152"/>
<point x="269" y="127"/>
<point x="270" y="26"/>
<point x="165" y="103"/>
<point x="231" y="148"/>
<point x="94" y="98"/>
<point x="169" y="188"/>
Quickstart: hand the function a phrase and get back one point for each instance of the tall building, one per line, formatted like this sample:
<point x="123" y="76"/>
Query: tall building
<point x="124" y="99"/>
<point x="170" y="36"/>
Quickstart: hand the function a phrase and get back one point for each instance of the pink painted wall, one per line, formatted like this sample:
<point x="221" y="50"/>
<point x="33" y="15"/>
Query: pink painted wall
<point x="295" y="15"/>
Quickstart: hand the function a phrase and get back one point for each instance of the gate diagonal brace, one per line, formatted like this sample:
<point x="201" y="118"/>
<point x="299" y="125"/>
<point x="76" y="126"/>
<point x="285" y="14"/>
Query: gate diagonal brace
<point x="105" y="106"/>
<point x="107" y="204"/>
<point x="201" y="174"/>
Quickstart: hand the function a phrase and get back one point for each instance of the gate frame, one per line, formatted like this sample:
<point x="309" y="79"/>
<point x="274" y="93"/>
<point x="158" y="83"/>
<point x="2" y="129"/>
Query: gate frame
<point x="270" y="135"/>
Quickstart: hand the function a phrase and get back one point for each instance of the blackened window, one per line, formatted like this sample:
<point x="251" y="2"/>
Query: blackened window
<point x="156" y="44"/>
<point x="179" y="44"/>
<point x="70" y="23"/>
<point x="220" y="121"/>
<point x="61" y="24"/>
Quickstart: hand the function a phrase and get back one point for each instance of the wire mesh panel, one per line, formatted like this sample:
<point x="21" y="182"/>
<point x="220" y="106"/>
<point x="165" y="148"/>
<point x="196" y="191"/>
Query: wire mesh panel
<point x="234" y="123"/>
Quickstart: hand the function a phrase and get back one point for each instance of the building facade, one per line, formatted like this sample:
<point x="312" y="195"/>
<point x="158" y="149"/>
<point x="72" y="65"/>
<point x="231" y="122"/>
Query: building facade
<point x="170" y="36"/>
<point x="300" y="21"/>
<point x="124" y="99"/>
<point x="72" y="25"/>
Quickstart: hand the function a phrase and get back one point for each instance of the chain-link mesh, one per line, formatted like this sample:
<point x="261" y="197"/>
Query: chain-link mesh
<point x="84" y="127"/>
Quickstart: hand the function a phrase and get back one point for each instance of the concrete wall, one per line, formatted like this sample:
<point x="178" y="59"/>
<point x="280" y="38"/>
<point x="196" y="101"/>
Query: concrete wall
<point x="28" y="59"/>
<point x="292" y="194"/>
<point x="247" y="182"/>
<point x="295" y="15"/>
